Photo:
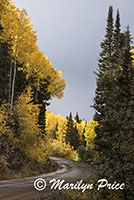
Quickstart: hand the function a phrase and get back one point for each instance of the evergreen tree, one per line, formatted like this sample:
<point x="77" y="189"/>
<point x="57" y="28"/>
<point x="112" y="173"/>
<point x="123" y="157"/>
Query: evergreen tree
<point x="83" y="138"/>
<point x="4" y="72"/>
<point x="77" y="118"/>
<point x="117" y="39"/>
<point x="104" y="62"/>
<point x="72" y="136"/>
<point x="114" y="105"/>
<point x="107" y="44"/>
<point x="42" y="98"/>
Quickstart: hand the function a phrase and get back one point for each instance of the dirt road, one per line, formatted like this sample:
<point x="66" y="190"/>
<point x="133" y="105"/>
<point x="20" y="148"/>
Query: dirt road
<point x="23" y="189"/>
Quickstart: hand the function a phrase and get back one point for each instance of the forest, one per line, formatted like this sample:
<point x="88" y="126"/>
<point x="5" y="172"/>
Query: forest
<point x="30" y="132"/>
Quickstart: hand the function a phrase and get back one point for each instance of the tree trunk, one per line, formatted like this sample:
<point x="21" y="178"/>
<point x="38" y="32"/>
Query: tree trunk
<point x="10" y="82"/>
<point x="13" y="83"/>
<point x="36" y="96"/>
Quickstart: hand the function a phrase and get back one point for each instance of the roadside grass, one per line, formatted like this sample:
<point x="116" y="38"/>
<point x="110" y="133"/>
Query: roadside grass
<point x="28" y="169"/>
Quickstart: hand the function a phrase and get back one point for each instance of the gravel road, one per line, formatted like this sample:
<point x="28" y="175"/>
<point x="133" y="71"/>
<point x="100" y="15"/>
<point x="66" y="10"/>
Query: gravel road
<point x="23" y="189"/>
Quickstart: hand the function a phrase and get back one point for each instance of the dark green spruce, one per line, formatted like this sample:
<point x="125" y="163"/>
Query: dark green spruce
<point x="72" y="135"/>
<point x="114" y="106"/>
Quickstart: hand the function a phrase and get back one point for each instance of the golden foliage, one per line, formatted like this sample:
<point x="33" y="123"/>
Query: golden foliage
<point x="3" y="6"/>
<point x="57" y="84"/>
<point x="80" y="127"/>
<point x="50" y="123"/>
<point x="90" y="133"/>
<point x="17" y="31"/>
<point x="19" y="34"/>
<point x="62" y="127"/>
<point x="55" y="124"/>
<point x="27" y="116"/>
<point x="61" y="149"/>
<point x="132" y="51"/>
<point x="4" y="128"/>
<point x="37" y="152"/>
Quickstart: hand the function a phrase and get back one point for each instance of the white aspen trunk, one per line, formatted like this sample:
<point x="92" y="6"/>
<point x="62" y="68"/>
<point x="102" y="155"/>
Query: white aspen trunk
<point x="10" y="82"/>
<point x="36" y="95"/>
<point x="13" y="84"/>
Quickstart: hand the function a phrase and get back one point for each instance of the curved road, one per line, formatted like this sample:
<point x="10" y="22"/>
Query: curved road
<point x="23" y="189"/>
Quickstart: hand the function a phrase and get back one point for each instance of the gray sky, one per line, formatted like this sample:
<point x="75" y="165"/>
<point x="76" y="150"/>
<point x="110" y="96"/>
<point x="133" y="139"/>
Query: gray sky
<point x="69" y="33"/>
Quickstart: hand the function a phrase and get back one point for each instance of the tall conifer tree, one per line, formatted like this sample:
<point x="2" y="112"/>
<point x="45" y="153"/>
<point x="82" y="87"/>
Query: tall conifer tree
<point x="117" y="39"/>
<point x="72" y="135"/>
<point x="114" y="103"/>
<point x="77" y="118"/>
<point x="107" y="44"/>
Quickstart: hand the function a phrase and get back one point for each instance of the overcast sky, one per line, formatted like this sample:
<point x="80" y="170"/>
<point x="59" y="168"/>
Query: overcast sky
<point x="69" y="34"/>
